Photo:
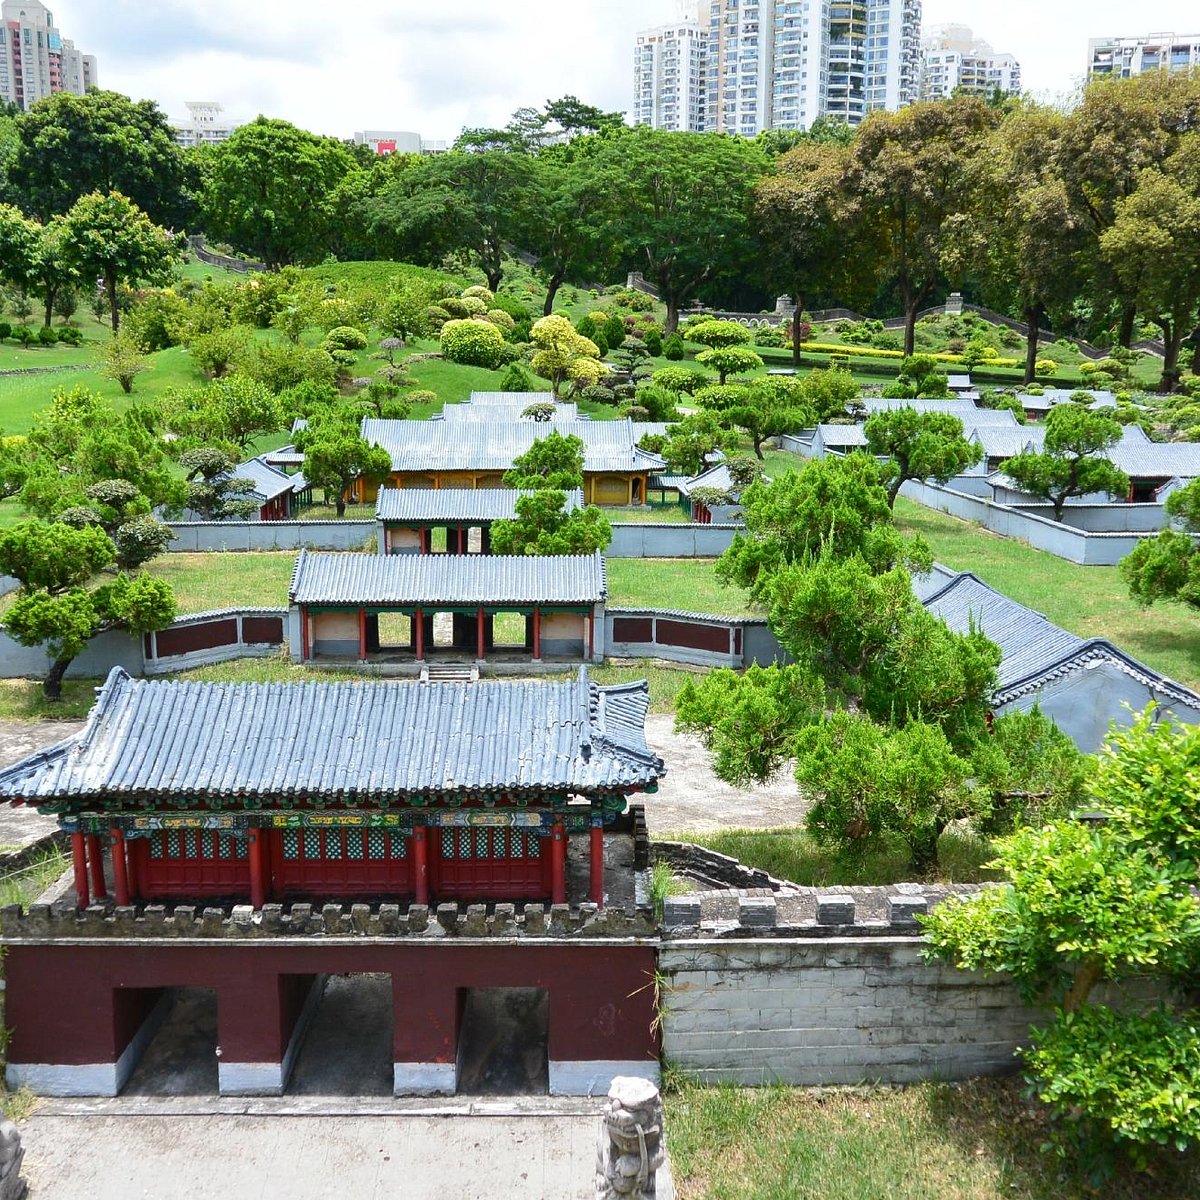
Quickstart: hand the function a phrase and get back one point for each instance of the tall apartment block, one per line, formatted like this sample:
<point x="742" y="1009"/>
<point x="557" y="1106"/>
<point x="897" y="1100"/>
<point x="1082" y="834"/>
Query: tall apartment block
<point x="781" y="64"/>
<point x="953" y="60"/>
<point x="1123" y="57"/>
<point x="35" y="59"/>
<point x="668" y="76"/>
<point x="204" y="125"/>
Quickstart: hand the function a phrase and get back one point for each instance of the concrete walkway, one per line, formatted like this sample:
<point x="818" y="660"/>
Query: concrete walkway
<point x="125" y="1150"/>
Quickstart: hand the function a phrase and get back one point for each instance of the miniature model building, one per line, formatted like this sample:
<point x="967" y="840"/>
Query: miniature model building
<point x="310" y="790"/>
<point x="199" y="808"/>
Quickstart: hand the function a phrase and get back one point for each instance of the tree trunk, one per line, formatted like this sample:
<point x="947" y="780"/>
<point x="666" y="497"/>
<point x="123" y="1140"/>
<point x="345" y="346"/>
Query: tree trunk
<point x="494" y="275"/>
<point x="1125" y="334"/>
<point x="1060" y="502"/>
<point x="1033" y="318"/>
<point x="758" y="445"/>
<point x="340" y="503"/>
<point x="672" y="321"/>
<point x="796" y="323"/>
<point x="110" y="287"/>
<point x="893" y="490"/>
<point x="51" y="296"/>
<point x="1172" y="341"/>
<point x="52" y="684"/>
<point x="923" y="849"/>
<point x="1090" y="974"/>
<point x="556" y="281"/>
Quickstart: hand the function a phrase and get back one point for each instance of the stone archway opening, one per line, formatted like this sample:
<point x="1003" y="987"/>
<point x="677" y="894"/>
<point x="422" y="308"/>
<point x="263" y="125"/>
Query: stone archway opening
<point x="503" y="1042"/>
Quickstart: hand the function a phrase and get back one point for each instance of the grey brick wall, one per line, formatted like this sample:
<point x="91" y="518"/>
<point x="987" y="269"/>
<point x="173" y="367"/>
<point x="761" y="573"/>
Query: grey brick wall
<point x="832" y="1011"/>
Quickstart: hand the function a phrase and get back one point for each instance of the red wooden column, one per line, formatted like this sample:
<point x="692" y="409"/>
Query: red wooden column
<point x="482" y="639"/>
<point x="558" y="863"/>
<point x="362" y="635"/>
<point x="424" y="536"/>
<point x="79" y="861"/>
<point x="95" y="857"/>
<point x="120" y="866"/>
<point x="305" y="649"/>
<point x="537" y="634"/>
<point x="596" y="879"/>
<point x="462" y="539"/>
<point x="591" y="634"/>
<point x="421" y="863"/>
<point x="258" y="891"/>
<point x="419" y="617"/>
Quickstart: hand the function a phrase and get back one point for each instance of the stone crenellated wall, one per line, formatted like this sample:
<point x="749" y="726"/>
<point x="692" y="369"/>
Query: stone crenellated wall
<point x="100" y="922"/>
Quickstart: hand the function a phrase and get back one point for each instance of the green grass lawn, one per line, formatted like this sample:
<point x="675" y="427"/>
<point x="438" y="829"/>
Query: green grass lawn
<point x="1089" y="601"/>
<point x="650" y="514"/>
<point x="683" y="583"/>
<point x="225" y="580"/>
<point x="971" y="1141"/>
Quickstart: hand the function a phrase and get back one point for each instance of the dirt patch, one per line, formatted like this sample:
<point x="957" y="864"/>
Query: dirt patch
<point x="19" y="826"/>
<point x="691" y="797"/>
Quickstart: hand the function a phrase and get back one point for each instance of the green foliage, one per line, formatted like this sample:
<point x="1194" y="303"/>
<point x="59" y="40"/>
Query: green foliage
<point x="1167" y="567"/>
<point x="270" y="188"/>
<point x="748" y="721"/>
<point x="475" y="343"/>
<point x="543" y="526"/>
<point x="123" y="359"/>
<point x="516" y="377"/>
<point x="729" y="360"/>
<point x="107" y="237"/>
<point x="235" y="411"/>
<point x="718" y="335"/>
<point x="1087" y="905"/>
<point x="673" y="350"/>
<point x="345" y="337"/>
<point x="920" y="446"/>
<point x="552" y="462"/>
<point x="868" y="784"/>
<point x="692" y="440"/>
<point x="1073" y="461"/>
<point x="562" y="354"/>
<point x="833" y="504"/>
<point x="682" y="380"/>
<point x="279" y="366"/>
<point x="213" y="490"/>
<point x="336" y="455"/>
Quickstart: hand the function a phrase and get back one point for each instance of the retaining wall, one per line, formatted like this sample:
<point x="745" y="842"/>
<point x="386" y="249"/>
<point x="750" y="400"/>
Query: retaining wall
<point x="670" y="540"/>
<point x="698" y="639"/>
<point x="190" y="641"/>
<point x="193" y="536"/>
<point x="1075" y="545"/>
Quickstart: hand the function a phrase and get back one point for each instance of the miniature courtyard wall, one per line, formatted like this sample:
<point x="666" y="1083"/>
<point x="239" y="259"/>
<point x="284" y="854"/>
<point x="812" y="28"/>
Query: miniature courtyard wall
<point x="87" y="991"/>
<point x="190" y="641"/>
<point x="1076" y="545"/>
<point x="630" y="540"/>
<point x="693" y="638"/>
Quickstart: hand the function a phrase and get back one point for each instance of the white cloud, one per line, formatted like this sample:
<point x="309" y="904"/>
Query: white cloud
<point x="433" y="68"/>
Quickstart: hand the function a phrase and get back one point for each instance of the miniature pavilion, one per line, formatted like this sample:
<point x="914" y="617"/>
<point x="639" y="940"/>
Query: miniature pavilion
<point x="266" y="792"/>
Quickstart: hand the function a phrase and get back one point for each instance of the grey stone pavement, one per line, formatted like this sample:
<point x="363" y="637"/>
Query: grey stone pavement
<point x="129" y="1152"/>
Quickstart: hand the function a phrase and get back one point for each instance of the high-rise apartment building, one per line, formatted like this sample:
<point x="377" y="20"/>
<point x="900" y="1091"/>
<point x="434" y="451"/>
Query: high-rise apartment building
<point x="1123" y="57"/>
<point x="204" y="125"/>
<point x="668" y="76"/>
<point x="953" y="60"/>
<point x="35" y="59"/>
<point x="781" y="64"/>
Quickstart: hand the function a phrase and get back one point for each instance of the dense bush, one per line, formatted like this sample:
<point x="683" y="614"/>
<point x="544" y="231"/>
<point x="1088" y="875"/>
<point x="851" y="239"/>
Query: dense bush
<point x="46" y="336"/>
<point x="345" y="337"/>
<point x="673" y="348"/>
<point x="475" y="343"/>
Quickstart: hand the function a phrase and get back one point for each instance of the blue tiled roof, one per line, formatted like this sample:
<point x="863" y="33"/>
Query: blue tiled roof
<point x="351" y="742"/>
<point x="454" y="504"/>
<point x="427" y="579"/>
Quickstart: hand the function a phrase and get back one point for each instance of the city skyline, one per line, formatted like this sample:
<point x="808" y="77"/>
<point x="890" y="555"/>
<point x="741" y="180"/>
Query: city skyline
<point x="473" y="64"/>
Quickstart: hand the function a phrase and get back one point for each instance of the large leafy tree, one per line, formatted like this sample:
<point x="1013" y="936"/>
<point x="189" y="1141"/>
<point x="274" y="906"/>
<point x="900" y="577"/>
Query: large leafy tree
<point x="475" y="201"/>
<point x="1121" y="128"/>
<point x="270" y="191"/>
<point x="232" y="411"/>
<point x="214" y="490"/>
<point x="1025" y="238"/>
<point x="71" y="146"/>
<point x="59" y="603"/>
<point x="769" y="407"/>
<point x="907" y="178"/>
<point x="554" y="461"/>
<point x="1072" y="461"/>
<point x="926" y="445"/>
<point x="1153" y="249"/>
<point x="107" y="237"/>
<point x="800" y="214"/>
<point x="678" y="205"/>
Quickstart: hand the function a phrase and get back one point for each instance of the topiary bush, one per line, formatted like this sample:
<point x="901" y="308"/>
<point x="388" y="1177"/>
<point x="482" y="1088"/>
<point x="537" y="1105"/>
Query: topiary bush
<point x="474" y="343"/>
<point x="672" y="349"/>
<point x="5" y="330"/>
<point x="653" y="338"/>
<point x="46" y="336"/>
<point x="345" y="337"/>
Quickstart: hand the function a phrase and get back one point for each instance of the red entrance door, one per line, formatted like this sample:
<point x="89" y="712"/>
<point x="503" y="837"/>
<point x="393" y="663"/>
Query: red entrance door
<point x="489" y="864"/>
<point x="340" y="862"/>
<point x="190" y="863"/>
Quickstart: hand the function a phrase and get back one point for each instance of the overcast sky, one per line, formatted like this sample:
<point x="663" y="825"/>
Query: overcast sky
<point x="434" y="67"/>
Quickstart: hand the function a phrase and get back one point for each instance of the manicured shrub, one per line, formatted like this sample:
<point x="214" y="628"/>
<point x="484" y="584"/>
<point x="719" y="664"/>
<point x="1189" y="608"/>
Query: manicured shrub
<point x="23" y="334"/>
<point x="654" y="341"/>
<point x="474" y="305"/>
<point x="456" y="306"/>
<point x="479" y="292"/>
<point x="345" y="337"/>
<point x="46" y="336"/>
<point x="673" y="348"/>
<point x="5" y="330"/>
<point x="476" y="343"/>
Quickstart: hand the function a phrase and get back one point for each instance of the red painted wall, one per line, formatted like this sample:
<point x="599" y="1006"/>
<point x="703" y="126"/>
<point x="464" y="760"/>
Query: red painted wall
<point x="74" y="1004"/>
